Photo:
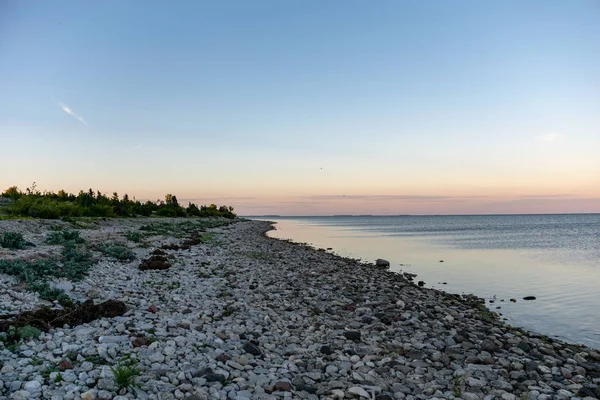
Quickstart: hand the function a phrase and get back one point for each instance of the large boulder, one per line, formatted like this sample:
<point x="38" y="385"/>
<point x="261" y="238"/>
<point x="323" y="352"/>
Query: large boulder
<point x="381" y="263"/>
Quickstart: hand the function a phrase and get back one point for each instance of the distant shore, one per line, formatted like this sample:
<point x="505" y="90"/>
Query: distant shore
<point x="239" y="315"/>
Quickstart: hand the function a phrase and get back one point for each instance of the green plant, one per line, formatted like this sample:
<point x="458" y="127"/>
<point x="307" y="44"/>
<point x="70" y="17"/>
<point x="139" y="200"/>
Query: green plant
<point x="59" y="378"/>
<point x="125" y="374"/>
<point x="62" y="237"/>
<point x="45" y="373"/>
<point x="72" y="355"/>
<point x="95" y="359"/>
<point x="457" y="386"/>
<point x="13" y="240"/>
<point x="14" y="335"/>
<point x="49" y="205"/>
<point x="134" y="236"/>
<point x="36" y="361"/>
<point x="118" y="251"/>
<point x="28" y="332"/>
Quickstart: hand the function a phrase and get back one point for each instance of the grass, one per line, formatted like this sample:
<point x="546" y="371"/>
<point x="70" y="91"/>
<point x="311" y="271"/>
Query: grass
<point x="13" y="241"/>
<point x="36" y="361"/>
<point x="125" y="374"/>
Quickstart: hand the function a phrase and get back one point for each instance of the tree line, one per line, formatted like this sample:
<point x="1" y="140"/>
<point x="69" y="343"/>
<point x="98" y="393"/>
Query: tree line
<point x="50" y="205"/>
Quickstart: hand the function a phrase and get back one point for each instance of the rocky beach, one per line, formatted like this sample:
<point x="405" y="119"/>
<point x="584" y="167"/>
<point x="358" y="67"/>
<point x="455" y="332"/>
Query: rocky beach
<point x="185" y="308"/>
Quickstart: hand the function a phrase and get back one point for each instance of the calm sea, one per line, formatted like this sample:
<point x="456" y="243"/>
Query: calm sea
<point x="555" y="258"/>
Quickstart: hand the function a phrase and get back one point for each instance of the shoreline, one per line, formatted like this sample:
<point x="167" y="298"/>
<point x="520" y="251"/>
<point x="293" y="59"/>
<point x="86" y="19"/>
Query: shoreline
<point x="563" y="281"/>
<point x="244" y="315"/>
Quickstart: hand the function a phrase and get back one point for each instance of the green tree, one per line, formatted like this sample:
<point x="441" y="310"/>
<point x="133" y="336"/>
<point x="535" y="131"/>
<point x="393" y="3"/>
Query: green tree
<point x="12" y="192"/>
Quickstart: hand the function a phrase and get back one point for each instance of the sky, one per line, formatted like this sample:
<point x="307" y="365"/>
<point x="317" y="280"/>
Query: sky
<point x="307" y="107"/>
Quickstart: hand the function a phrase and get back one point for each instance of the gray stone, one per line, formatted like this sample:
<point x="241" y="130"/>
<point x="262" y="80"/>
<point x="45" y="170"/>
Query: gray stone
<point x="381" y="263"/>
<point x="357" y="391"/>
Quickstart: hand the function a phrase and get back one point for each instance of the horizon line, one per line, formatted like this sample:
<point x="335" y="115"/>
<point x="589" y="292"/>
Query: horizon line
<point x="411" y="215"/>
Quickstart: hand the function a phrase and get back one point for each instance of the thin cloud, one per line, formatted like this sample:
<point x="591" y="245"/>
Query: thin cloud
<point x="550" y="137"/>
<point x="68" y="110"/>
<point x="139" y="146"/>
<point x="425" y="198"/>
<point x="547" y="196"/>
<point x="213" y="199"/>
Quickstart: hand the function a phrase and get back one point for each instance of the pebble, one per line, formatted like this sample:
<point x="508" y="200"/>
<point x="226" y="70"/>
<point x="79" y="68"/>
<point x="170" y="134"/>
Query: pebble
<point x="256" y="318"/>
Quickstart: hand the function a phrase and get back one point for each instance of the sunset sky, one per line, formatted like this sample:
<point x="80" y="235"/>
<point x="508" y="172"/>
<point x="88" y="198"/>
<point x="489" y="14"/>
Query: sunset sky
<point x="307" y="107"/>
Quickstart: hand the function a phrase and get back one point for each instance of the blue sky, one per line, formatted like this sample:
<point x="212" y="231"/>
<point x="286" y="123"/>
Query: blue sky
<point x="307" y="107"/>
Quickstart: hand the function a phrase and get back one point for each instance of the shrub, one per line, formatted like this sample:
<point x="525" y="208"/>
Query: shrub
<point x="28" y="332"/>
<point x="134" y="236"/>
<point x="49" y="205"/>
<point x="62" y="237"/>
<point x="14" y="334"/>
<point x="117" y="251"/>
<point x="13" y="240"/>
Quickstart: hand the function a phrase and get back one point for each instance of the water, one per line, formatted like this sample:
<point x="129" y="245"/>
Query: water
<point x="553" y="257"/>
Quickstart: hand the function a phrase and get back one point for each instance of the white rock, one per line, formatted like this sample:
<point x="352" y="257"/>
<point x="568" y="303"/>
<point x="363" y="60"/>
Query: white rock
<point x="83" y="332"/>
<point x="86" y="366"/>
<point x="157" y="357"/>
<point x="169" y="351"/>
<point x="20" y="395"/>
<point x="7" y="368"/>
<point x="113" y="339"/>
<point x="32" y="386"/>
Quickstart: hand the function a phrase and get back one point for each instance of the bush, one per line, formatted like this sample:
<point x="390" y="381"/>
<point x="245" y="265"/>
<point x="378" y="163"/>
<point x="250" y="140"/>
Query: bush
<point x="13" y="240"/>
<point x="15" y="334"/>
<point x="117" y="251"/>
<point x="134" y="236"/>
<point x="62" y="237"/>
<point x="49" y="205"/>
<point x="75" y="262"/>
